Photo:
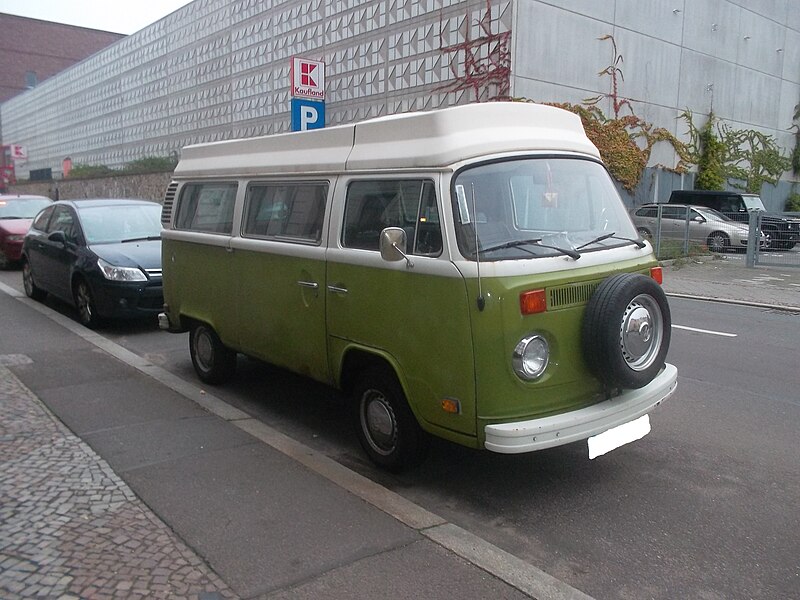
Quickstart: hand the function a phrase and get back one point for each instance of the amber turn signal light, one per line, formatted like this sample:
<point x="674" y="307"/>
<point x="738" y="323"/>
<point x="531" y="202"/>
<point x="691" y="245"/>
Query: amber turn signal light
<point x="532" y="302"/>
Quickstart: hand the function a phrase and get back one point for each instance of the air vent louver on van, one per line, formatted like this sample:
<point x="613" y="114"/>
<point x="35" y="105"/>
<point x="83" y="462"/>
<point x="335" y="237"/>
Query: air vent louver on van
<point x="574" y="294"/>
<point x="169" y="200"/>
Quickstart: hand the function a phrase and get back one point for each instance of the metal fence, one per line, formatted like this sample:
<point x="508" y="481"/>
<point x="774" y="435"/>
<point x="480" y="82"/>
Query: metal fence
<point x="783" y="247"/>
<point x="677" y="231"/>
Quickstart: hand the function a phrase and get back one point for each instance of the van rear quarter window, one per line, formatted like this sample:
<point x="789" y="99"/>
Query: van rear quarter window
<point x="410" y="204"/>
<point x="207" y="207"/>
<point x="285" y="210"/>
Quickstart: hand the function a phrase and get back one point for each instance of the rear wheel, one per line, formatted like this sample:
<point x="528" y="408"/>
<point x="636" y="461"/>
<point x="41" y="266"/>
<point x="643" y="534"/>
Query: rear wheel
<point x="31" y="290"/>
<point x="718" y="241"/>
<point x="387" y="429"/>
<point x="213" y="361"/>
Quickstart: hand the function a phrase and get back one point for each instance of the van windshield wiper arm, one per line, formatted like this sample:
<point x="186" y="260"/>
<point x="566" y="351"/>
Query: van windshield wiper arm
<point x="146" y="238"/>
<point x="613" y="234"/>
<point x="533" y="242"/>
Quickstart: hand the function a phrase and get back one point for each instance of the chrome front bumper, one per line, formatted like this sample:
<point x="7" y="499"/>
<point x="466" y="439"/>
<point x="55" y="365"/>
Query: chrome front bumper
<point x="547" y="432"/>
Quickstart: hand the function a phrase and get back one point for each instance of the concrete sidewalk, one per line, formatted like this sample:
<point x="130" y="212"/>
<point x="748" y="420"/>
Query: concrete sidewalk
<point x="724" y="279"/>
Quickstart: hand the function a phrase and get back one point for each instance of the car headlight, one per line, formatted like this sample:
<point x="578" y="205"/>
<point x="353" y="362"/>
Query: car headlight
<point x="531" y="356"/>
<point x="115" y="273"/>
<point x="15" y="238"/>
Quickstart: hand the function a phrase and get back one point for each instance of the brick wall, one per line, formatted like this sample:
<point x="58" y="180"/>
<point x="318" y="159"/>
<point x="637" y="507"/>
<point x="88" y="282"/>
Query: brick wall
<point x="42" y="47"/>
<point x="149" y="186"/>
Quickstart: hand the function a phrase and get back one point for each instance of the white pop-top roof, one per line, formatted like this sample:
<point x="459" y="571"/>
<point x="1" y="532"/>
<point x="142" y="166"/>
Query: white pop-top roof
<point x="411" y="140"/>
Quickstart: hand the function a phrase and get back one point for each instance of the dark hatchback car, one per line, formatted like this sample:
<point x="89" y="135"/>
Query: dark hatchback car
<point x="102" y="256"/>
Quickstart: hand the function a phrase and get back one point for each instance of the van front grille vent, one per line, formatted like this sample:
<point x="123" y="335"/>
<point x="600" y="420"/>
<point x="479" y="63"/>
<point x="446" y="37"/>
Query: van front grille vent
<point x="574" y="294"/>
<point x="169" y="200"/>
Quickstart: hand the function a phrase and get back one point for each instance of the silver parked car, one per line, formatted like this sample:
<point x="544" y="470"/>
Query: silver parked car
<point x="706" y="226"/>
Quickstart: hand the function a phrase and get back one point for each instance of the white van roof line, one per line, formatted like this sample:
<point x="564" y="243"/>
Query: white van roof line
<point x="411" y="140"/>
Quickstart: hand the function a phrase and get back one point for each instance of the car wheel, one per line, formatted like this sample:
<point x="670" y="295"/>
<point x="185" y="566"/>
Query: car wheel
<point x="626" y="331"/>
<point x="84" y="302"/>
<point x="31" y="290"/>
<point x="213" y="361"/>
<point x="645" y="233"/>
<point x="718" y="241"/>
<point x="387" y="429"/>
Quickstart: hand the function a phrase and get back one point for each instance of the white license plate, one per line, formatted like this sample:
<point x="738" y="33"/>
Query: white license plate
<point x="619" y="436"/>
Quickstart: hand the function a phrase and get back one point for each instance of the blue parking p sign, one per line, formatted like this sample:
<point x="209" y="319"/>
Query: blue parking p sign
<point x="307" y="114"/>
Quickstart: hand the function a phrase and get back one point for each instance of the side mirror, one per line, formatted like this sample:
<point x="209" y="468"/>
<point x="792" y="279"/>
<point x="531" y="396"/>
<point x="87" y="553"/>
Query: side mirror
<point x="392" y="244"/>
<point x="699" y="219"/>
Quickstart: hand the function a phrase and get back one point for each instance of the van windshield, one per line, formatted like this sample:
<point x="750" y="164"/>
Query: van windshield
<point x="534" y="207"/>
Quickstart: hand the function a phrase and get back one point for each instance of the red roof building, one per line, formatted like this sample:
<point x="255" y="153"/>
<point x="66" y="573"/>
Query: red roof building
<point x="32" y="50"/>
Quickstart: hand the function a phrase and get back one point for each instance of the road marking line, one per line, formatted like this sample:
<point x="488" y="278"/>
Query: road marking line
<point x="705" y="331"/>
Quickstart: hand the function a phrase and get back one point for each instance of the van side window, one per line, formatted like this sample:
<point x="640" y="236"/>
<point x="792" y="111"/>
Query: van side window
<point x="207" y="207"/>
<point x="285" y="210"/>
<point x="409" y="204"/>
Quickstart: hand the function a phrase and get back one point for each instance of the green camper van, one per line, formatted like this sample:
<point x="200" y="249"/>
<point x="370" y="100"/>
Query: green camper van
<point x="469" y="273"/>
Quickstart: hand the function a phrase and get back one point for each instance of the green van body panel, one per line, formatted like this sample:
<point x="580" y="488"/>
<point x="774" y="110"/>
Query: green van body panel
<point x="422" y="322"/>
<point x="567" y="384"/>
<point x="279" y="320"/>
<point x="208" y="297"/>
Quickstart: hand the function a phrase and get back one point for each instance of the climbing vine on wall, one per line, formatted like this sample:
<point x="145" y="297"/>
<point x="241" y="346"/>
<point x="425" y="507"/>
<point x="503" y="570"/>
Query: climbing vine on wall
<point x="748" y="158"/>
<point x="708" y="152"/>
<point x="796" y="151"/>
<point x="486" y="61"/>
<point x="625" y="142"/>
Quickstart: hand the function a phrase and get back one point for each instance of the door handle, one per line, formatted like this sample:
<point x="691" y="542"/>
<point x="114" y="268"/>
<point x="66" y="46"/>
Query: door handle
<point x="337" y="289"/>
<point x="309" y="284"/>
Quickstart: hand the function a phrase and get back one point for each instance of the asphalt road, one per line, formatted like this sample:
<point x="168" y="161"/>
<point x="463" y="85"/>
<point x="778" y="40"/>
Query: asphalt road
<point x="703" y="507"/>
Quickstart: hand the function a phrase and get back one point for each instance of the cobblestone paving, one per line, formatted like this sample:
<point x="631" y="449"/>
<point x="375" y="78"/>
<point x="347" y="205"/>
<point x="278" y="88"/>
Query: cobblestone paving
<point x="70" y="528"/>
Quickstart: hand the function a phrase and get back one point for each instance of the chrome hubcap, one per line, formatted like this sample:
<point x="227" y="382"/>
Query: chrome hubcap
<point x="641" y="332"/>
<point x="378" y="422"/>
<point x="203" y="350"/>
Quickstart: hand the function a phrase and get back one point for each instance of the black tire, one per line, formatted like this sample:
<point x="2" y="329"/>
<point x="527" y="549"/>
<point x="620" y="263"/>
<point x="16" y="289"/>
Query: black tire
<point x="84" y="302"/>
<point x="213" y="361"/>
<point x="718" y="241"/>
<point x="387" y="429"/>
<point x="31" y="289"/>
<point x="615" y="352"/>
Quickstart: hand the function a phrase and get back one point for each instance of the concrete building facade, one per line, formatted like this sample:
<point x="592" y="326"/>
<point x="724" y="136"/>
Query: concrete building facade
<point x="219" y="69"/>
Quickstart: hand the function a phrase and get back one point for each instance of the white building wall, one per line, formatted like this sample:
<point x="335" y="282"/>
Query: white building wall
<point x="741" y="58"/>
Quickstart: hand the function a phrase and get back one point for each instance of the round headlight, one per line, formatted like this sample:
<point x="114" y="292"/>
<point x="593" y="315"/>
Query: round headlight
<point x="530" y="357"/>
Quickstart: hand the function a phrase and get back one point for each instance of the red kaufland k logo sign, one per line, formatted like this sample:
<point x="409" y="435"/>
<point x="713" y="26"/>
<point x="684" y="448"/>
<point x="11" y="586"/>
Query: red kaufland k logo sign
<point x="308" y="78"/>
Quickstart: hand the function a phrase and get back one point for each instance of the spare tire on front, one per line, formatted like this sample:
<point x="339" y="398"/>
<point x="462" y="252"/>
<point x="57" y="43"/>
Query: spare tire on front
<point x="626" y="331"/>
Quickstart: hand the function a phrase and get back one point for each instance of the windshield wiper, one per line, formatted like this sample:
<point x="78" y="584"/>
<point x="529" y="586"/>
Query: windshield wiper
<point x="613" y="234"/>
<point x="141" y="239"/>
<point x="534" y="242"/>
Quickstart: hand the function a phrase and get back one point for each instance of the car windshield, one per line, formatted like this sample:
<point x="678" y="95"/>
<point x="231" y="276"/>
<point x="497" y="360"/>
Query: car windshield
<point x="753" y="203"/>
<point x="533" y="207"/>
<point x="21" y="208"/>
<point x="715" y="214"/>
<point x="125" y="222"/>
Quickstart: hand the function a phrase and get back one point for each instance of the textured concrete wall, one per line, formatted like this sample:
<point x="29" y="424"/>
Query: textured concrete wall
<point x="741" y="58"/>
<point x="149" y="186"/>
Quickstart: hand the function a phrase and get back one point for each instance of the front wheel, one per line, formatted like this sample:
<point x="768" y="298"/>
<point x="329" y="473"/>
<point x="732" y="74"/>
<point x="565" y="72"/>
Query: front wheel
<point x="84" y="302"/>
<point x="718" y="241"/>
<point x="387" y="429"/>
<point x="213" y="361"/>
